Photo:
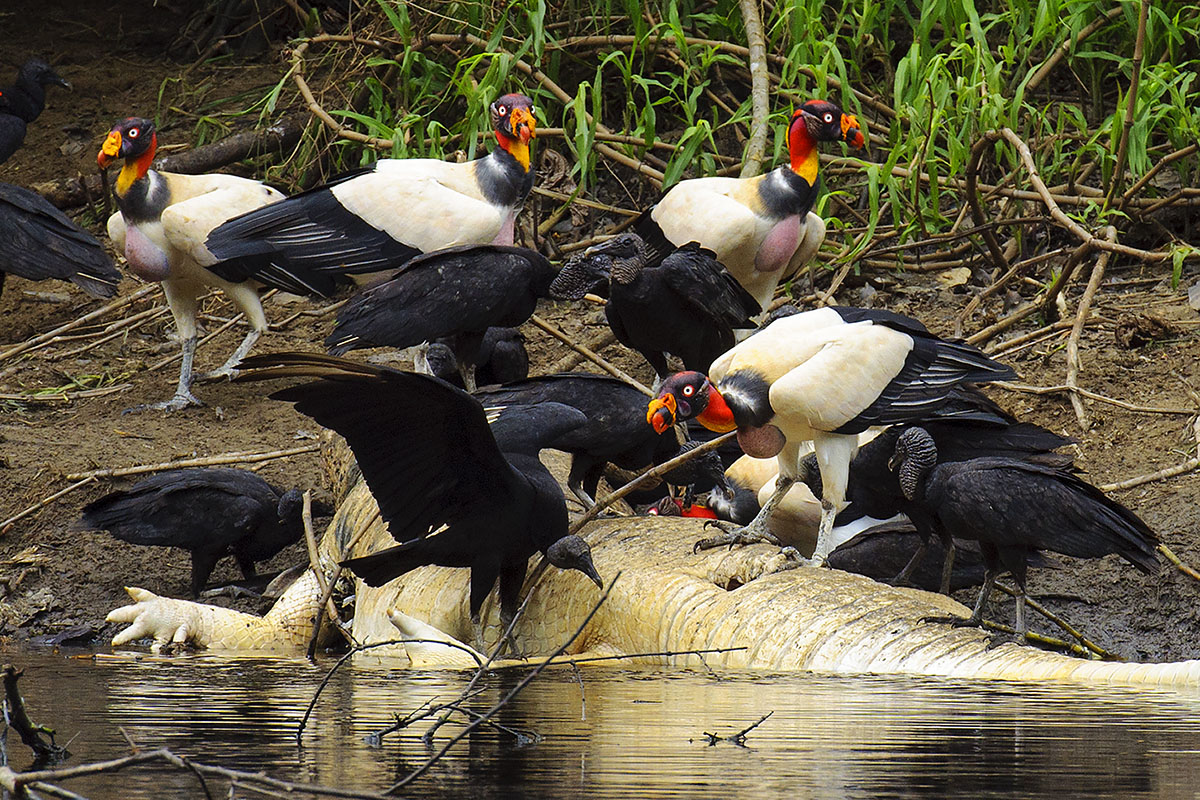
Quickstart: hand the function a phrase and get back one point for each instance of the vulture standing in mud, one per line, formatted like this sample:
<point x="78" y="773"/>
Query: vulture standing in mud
<point x="378" y="218"/>
<point x="1015" y="509"/>
<point x="762" y="228"/>
<point x="681" y="302"/>
<point x="163" y="221"/>
<point x="210" y="512"/>
<point x="822" y="376"/>
<point x="458" y="292"/>
<point x="453" y="490"/>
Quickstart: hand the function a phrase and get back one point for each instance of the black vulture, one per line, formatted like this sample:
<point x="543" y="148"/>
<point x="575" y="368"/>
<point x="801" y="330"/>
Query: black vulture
<point x="452" y="491"/>
<point x="613" y="432"/>
<point x="502" y="359"/>
<point x="681" y="301"/>
<point x="458" y="292"/>
<point x="41" y="242"/>
<point x="27" y="97"/>
<point x="1016" y="508"/>
<point x="210" y="512"/>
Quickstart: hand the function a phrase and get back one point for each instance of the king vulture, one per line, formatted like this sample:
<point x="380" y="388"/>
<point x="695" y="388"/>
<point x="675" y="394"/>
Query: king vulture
<point x="822" y="376"/>
<point x="378" y="218"/>
<point x="762" y="228"/>
<point x="163" y="221"/>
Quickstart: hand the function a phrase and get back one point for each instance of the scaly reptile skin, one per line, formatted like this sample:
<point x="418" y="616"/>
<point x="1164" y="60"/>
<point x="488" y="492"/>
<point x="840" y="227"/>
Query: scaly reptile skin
<point x="665" y="600"/>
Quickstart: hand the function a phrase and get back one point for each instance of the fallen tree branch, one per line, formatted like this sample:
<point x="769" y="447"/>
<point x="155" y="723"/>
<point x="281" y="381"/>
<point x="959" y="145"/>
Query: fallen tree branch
<point x="40" y="504"/>
<point x="30" y="732"/>
<point x="1085" y="307"/>
<point x="760" y="109"/>
<point x="1027" y="389"/>
<point x="243" y="457"/>
<point x="590" y="355"/>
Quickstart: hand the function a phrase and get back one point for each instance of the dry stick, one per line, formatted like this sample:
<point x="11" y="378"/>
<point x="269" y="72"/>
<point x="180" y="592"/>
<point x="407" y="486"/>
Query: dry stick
<point x="999" y="284"/>
<point x="572" y="359"/>
<point x="1061" y="51"/>
<point x="99" y="312"/>
<point x="64" y="395"/>
<point x="647" y="477"/>
<point x="1174" y="559"/>
<point x="759" y="86"/>
<point x="45" y="501"/>
<point x="1135" y="66"/>
<point x="421" y="770"/>
<point x="1044" y="194"/>
<point x="1158" y="165"/>
<point x="1060" y="622"/>
<point x="245" y="457"/>
<point x="325" y="583"/>
<point x="1037" y="638"/>
<point x="1169" y="472"/>
<point x="1085" y="307"/>
<point x="589" y="355"/>
<point x="115" y="330"/>
<point x="1049" y="304"/>
<point x="1016" y="343"/>
<point x="1027" y="389"/>
<point x="972" y="189"/>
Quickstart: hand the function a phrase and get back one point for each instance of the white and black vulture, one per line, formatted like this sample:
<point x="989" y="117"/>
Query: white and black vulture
<point x="452" y="491"/>
<point x="681" y="302"/>
<point x="163" y="221"/>
<point x="456" y="292"/>
<point x="612" y="432"/>
<point x="41" y="242"/>
<point x="762" y="228"/>
<point x="210" y="512"/>
<point x="1016" y="508"/>
<point x="822" y="376"/>
<point x="378" y="218"/>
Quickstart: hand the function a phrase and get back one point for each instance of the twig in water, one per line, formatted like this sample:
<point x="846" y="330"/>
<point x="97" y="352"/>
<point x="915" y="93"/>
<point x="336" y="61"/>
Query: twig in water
<point x="421" y="770"/>
<point x="31" y="733"/>
<point x="738" y="738"/>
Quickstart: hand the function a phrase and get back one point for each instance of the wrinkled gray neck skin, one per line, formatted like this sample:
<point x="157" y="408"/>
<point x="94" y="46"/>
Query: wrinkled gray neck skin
<point x="576" y="278"/>
<point x="627" y="264"/>
<point x="916" y="454"/>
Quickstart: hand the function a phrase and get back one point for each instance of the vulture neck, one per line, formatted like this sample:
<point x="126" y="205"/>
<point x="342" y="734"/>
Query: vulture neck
<point x="516" y="148"/>
<point x="802" y="149"/>
<point x="717" y="415"/>
<point x="136" y="169"/>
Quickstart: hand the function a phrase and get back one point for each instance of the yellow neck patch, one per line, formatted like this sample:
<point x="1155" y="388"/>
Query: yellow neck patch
<point x="520" y="152"/>
<point x="806" y="166"/>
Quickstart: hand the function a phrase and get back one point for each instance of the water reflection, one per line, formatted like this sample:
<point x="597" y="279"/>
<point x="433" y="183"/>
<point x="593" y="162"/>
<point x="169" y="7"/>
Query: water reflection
<point x="623" y="733"/>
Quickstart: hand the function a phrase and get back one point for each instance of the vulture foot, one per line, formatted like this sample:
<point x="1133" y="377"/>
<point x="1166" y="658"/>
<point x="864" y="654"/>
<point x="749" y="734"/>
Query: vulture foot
<point x="180" y="401"/>
<point x="733" y="535"/>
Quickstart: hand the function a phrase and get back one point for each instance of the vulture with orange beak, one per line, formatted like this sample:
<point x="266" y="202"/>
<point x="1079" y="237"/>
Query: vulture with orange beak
<point x="822" y="376"/>
<point x="379" y="217"/>
<point x="163" y="221"/>
<point x="761" y="229"/>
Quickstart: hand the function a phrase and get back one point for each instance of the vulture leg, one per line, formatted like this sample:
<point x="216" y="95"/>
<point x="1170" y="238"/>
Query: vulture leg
<point x="903" y="576"/>
<point x="947" y="565"/>
<point x="228" y="369"/>
<point x="756" y="530"/>
<point x="183" y="391"/>
<point x="976" y="618"/>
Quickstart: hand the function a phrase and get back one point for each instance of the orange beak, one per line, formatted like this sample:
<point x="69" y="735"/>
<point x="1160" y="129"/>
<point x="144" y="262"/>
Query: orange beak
<point x="110" y="149"/>
<point x="662" y="412"/>
<point x="851" y="132"/>
<point x="523" y="124"/>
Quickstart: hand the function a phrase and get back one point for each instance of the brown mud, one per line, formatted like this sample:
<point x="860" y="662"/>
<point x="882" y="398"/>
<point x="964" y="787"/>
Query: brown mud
<point x="53" y="577"/>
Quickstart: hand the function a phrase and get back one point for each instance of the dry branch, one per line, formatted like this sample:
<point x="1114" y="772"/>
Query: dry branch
<point x="760" y="109"/>
<point x="247" y="457"/>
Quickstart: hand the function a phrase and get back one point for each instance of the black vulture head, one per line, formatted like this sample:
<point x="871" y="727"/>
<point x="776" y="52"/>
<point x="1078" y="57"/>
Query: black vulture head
<point x="914" y="456"/>
<point x="572" y="552"/>
<point x="580" y="275"/>
<point x="36" y="72"/>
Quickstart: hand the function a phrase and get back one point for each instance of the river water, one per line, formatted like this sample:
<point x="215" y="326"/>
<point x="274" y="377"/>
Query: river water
<point x="610" y="732"/>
